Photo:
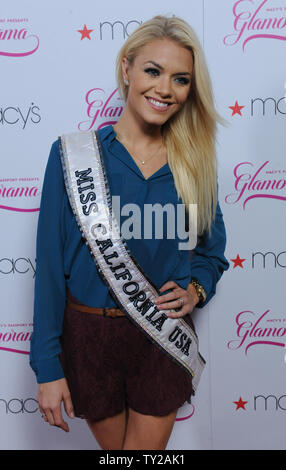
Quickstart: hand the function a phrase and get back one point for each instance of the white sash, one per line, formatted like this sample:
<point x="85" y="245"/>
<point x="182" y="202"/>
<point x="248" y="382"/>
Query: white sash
<point x="89" y="196"/>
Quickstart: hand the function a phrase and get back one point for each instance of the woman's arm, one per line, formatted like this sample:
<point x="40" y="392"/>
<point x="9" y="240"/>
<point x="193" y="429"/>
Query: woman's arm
<point x="49" y="290"/>
<point x="207" y="259"/>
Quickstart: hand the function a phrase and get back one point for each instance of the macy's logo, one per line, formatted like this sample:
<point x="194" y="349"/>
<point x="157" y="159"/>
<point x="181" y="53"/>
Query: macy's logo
<point x="254" y="22"/>
<point x="262" y="403"/>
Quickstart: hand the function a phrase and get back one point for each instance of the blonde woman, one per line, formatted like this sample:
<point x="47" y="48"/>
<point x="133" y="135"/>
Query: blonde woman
<point x="85" y="351"/>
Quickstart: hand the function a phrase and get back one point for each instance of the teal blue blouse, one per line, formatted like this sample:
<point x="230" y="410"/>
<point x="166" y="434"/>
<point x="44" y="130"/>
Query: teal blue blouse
<point x="63" y="258"/>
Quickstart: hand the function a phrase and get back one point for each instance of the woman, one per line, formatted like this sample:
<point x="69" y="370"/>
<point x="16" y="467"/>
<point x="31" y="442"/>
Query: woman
<point x="162" y="150"/>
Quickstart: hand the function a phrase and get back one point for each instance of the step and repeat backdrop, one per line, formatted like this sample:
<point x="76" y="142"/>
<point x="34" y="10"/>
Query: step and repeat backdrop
<point x="57" y="63"/>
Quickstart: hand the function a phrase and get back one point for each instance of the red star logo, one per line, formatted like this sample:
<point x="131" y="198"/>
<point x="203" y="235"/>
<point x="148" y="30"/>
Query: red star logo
<point x="85" y="33"/>
<point x="240" y="404"/>
<point x="237" y="261"/>
<point x="236" y="109"/>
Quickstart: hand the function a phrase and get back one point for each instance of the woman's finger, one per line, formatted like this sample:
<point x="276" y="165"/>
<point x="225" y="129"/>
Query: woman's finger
<point x="49" y="416"/>
<point x="174" y="309"/>
<point x="168" y="285"/>
<point x="176" y="303"/>
<point x="175" y="294"/>
<point x="68" y="406"/>
<point x="58" y="419"/>
<point x="178" y="314"/>
<point x="43" y="414"/>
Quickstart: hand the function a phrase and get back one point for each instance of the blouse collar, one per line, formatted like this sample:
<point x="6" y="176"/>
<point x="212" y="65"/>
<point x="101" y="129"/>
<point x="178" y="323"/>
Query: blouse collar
<point x="108" y="135"/>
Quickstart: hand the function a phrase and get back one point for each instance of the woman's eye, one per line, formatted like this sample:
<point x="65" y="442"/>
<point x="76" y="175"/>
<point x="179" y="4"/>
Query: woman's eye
<point x="155" y="73"/>
<point x="152" y="71"/>
<point x="183" y="80"/>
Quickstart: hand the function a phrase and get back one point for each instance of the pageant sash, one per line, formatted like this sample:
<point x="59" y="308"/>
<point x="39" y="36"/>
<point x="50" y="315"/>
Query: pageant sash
<point x="90" y="199"/>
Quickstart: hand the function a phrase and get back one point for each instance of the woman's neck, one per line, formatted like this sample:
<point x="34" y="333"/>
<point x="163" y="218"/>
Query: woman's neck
<point x="138" y="135"/>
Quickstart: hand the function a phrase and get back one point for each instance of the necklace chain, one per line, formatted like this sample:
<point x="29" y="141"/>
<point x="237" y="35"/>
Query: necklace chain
<point x="143" y="162"/>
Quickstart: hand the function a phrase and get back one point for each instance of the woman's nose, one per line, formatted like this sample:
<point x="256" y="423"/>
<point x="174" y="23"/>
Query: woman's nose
<point x="163" y="86"/>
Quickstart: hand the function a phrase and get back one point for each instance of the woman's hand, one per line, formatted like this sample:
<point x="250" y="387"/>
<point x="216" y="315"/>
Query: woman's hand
<point x="171" y="300"/>
<point x="50" y="397"/>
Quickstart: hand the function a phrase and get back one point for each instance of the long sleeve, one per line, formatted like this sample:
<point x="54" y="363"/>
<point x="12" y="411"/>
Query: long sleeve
<point x="49" y="289"/>
<point x="208" y="261"/>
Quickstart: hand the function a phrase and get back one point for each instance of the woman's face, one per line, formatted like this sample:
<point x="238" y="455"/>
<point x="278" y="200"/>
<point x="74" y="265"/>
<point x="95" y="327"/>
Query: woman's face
<point x="159" y="81"/>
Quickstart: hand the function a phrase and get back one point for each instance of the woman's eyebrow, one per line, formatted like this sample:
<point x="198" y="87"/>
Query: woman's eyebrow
<point x="162" y="68"/>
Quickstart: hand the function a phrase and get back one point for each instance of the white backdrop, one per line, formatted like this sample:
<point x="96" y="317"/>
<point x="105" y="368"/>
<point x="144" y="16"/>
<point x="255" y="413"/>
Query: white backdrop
<point x="56" y="80"/>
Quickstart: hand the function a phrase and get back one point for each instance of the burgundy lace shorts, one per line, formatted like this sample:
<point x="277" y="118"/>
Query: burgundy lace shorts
<point x="109" y="364"/>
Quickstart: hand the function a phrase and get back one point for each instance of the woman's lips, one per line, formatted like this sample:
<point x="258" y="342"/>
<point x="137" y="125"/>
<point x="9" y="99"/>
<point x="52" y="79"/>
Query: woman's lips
<point x="157" y="105"/>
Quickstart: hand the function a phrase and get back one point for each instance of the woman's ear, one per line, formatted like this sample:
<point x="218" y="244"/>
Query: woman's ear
<point x="124" y="68"/>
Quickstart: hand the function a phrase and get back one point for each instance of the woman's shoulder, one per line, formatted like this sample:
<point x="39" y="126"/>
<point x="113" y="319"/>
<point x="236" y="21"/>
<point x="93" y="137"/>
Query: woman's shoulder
<point x="106" y="132"/>
<point x="56" y="146"/>
<point x="54" y="165"/>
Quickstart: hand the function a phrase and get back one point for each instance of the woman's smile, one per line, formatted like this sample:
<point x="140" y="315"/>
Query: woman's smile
<point x="158" y="105"/>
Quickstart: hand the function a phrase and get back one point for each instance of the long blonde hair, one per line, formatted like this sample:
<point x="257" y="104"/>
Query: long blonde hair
<point x="189" y="135"/>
